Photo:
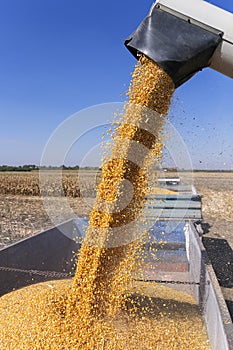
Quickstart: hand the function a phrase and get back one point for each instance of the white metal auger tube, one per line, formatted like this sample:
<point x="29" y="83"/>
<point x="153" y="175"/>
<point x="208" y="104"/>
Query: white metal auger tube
<point x="184" y="36"/>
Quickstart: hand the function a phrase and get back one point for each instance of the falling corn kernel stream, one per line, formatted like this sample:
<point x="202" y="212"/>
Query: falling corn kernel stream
<point x="102" y="307"/>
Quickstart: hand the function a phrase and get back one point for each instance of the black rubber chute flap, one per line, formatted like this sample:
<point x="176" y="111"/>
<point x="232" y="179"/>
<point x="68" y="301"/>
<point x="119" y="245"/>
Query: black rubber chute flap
<point x="179" y="47"/>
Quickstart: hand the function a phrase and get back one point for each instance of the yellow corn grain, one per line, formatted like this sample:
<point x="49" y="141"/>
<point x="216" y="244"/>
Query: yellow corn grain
<point x="101" y="308"/>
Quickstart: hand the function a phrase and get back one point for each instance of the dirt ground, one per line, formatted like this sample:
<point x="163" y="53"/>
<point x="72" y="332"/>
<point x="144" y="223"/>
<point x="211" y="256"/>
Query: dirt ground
<point x="22" y="216"/>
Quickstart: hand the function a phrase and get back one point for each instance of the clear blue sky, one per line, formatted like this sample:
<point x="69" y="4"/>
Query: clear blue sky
<point x="60" y="56"/>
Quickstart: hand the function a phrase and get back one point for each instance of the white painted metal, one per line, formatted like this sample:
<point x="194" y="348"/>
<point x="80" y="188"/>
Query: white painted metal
<point x="169" y="179"/>
<point x="210" y="17"/>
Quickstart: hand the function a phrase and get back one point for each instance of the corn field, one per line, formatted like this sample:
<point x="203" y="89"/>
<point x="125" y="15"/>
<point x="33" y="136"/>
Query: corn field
<point x="28" y="184"/>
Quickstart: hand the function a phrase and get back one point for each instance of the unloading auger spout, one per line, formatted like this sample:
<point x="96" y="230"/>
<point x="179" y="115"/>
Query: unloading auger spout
<point x="185" y="36"/>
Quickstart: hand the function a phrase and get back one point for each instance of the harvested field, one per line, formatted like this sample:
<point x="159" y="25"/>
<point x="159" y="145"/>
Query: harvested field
<point x="22" y="212"/>
<point x="22" y="216"/>
<point x="28" y="183"/>
<point x="217" y="191"/>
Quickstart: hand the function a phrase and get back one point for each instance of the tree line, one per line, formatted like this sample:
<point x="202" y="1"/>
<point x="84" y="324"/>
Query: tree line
<point x="33" y="167"/>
